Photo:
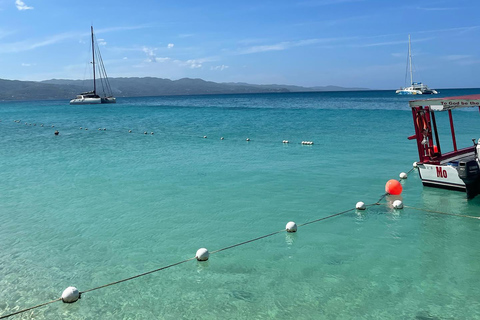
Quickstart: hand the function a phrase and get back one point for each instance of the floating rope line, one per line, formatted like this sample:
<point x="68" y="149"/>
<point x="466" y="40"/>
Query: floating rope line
<point x="178" y="263"/>
<point x="138" y="276"/>
<point x="444" y="213"/>
<point x="144" y="132"/>
<point x="230" y="247"/>
<point x="25" y="310"/>
<point x="386" y="193"/>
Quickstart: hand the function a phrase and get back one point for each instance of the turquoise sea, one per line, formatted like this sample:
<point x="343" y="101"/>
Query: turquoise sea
<point x="90" y="207"/>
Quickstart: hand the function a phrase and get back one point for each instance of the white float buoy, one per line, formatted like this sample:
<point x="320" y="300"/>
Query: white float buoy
<point x="70" y="295"/>
<point x="204" y="137"/>
<point x="403" y="175"/>
<point x="151" y="132"/>
<point x="285" y="141"/>
<point x="291" y="227"/>
<point x="202" y="254"/>
<point x="397" y="204"/>
<point x="248" y="139"/>
<point x="144" y="132"/>
<point x="81" y="128"/>
<point x="360" y="205"/>
<point x="129" y="131"/>
<point x="415" y="164"/>
<point x="221" y="138"/>
<point x="104" y="129"/>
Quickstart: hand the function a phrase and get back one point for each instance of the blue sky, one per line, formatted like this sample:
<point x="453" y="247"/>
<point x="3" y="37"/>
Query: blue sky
<point x="349" y="43"/>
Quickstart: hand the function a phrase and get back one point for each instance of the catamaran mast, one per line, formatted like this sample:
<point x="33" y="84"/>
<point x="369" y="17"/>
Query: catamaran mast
<point x="409" y="60"/>
<point x="93" y="59"/>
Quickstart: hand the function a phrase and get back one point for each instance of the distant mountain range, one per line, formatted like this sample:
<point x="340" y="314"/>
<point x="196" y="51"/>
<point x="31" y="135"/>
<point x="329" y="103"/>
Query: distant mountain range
<point x="58" y="89"/>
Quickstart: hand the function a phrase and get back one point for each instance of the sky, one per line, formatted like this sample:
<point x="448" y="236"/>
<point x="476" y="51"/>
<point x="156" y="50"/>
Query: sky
<point x="347" y="43"/>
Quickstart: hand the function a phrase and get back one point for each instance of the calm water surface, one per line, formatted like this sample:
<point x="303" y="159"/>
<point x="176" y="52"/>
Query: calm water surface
<point x="90" y="207"/>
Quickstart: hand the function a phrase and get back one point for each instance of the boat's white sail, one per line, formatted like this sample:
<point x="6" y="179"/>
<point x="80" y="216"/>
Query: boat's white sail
<point x="415" y="87"/>
<point x="99" y="78"/>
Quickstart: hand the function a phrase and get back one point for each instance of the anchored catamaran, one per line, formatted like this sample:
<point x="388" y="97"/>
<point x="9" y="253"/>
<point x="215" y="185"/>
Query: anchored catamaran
<point x="92" y="97"/>
<point x="415" y="87"/>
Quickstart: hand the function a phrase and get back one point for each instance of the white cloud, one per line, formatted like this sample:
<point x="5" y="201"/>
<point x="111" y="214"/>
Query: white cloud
<point x="170" y="45"/>
<point x="30" y="44"/>
<point x="282" y="46"/>
<point x="22" y="6"/>
<point x="461" y="59"/>
<point x="150" y="52"/>
<point x="101" y="42"/>
<point x="27" y="64"/>
<point x="219" y="68"/>
<point x="273" y="47"/>
<point x="457" y="57"/>
<point x="194" y="64"/>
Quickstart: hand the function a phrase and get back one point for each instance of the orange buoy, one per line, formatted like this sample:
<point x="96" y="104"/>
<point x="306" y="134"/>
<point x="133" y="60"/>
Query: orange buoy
<point x="393" y="187"/>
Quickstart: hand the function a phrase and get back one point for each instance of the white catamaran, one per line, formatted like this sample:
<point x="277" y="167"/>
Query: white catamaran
<point x="415" y="87"/>
<point x="92" y="97"/>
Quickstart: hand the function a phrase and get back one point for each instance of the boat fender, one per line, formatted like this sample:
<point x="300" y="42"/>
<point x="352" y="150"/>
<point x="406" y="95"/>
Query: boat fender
<point x="478" y="149"/>
<point x="421" y="123"/>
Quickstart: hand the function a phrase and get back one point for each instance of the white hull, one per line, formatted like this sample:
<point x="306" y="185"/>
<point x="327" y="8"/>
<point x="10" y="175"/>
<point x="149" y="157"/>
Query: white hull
<point x="408" y="90"/>
<point x="443" y="176"/>
<point x="86" y="101"/>
<point x="109" y="100"/>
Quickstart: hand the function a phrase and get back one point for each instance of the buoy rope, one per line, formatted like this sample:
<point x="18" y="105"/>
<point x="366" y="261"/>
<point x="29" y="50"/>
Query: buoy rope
<point x="386" y="193"/>
<point x="137" y="276"/>
<point x="31" y="308"/>
<point x="178" y="263"/>
<point x="445" y="213"/>
<point x="248" y="241"/>
<point x="145" y="132"/>
<point x="327" y="217"/>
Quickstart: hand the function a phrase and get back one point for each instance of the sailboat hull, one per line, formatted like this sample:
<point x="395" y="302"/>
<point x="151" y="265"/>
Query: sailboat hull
<point x="109" y="100"/>
<point x="86" y="101"/>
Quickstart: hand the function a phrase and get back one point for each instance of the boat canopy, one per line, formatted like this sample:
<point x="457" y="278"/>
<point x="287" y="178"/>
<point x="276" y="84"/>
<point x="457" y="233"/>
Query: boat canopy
<point x="443" y="104"/>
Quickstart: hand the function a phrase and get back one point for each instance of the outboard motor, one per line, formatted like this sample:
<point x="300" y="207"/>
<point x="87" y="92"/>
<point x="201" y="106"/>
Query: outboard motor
<point x="469" y="172"/>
